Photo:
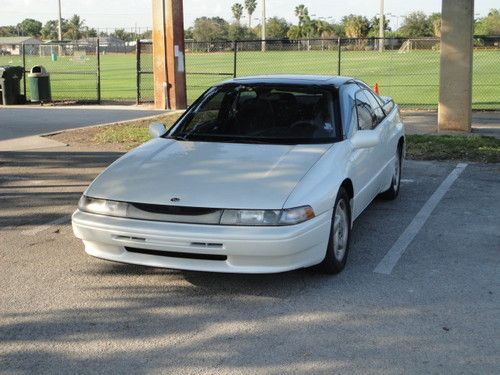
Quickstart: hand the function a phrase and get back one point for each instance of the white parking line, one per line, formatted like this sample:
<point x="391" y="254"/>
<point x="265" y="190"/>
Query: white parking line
<point x="41" y="228"/>
<point x="390" y="259"/>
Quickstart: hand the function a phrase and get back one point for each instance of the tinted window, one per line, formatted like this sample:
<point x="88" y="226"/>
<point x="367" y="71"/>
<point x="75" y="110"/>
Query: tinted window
<point x="367" y="119"/>
<point x="263" y="113"/>
<point x="375" y="106"/>
<point x="349" y="115"/>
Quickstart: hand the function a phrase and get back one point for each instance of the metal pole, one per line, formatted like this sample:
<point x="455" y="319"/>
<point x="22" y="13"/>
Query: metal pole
<point x="59" y="24"/>
<point x="263" y="27"/>
<point x="24" y="70"/>
<point x="97" y="51"/>
<point x="235" y="57"/>
<point x="339" y="43"/>
<point x="381" y="27"/>
<point x="138" y="70"/>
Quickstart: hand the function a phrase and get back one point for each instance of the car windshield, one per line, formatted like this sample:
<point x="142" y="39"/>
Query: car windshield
<point x="261" y="113"/>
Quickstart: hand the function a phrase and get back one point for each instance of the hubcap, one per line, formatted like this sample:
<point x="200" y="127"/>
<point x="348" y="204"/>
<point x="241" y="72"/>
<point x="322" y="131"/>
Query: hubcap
<point x="340" y="230"/>
<point x="397" y="171"/>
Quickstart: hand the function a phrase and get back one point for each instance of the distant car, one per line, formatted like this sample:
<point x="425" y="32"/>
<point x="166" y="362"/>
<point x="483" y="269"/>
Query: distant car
<point x="260" y="175"/>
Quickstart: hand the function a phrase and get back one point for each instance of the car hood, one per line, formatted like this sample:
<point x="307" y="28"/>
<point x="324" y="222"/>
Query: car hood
<point x="207" y="174"/>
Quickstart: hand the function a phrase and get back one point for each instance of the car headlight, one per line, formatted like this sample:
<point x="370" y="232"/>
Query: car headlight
<point x="267" y="217"/>
<point x="288" y="216"/>
<point x="102" y="206"/>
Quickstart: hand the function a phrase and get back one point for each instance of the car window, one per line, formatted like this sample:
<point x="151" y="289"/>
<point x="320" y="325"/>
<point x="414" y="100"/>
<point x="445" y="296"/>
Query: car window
<point x="367" y="119"/>
<point x="207" y="114"/>
<point x="263" y="113"/>
<point x="349" y="114"/>
<point x="375" y="104"/>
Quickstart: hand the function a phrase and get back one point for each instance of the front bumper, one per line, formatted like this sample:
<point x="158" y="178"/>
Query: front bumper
<point x="248" y="249"/>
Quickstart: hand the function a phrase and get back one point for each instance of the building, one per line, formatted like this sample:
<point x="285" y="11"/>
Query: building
<point x="106" y="44"/>
<point x="11" y="45"/>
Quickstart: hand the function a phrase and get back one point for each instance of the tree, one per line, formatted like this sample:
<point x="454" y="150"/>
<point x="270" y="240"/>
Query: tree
<point x="49" y="30"/>
<point x="356" y="26"/>
<point x="416" y="24"/>
<point x="30" y="27"/>
<point x="237" y="10"/>
<point x="375" y="24"/>
<point x="237" y="32"/>
<point x="302" y="13"/>
<point x="277" y="28"/>
<point x="435" y="20"/>
<point x="74" y="28"/>
<point x="8" y="31"/>
<point x="294" y="32"/>
<point x="91" y="33"/>
<point x="123" y="35"/>
<point x="489" y="25"/>
<point x="210" y="29"/>
<point x="250" y="6"/>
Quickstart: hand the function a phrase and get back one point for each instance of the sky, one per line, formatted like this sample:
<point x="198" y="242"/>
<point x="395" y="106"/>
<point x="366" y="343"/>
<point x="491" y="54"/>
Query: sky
<point x="130" y="14"/>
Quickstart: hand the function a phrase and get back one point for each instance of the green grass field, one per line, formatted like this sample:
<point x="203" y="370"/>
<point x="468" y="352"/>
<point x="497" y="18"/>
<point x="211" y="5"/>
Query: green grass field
<point x="412" y="78"/>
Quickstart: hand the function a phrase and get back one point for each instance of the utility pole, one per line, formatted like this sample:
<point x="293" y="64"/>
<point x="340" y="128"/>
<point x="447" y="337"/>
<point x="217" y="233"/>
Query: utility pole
<point x="59" y="24"/>
<point x="168" y="54"/>
<point x="381" y="28"/>
<point x="263" y="27"/>
<point x="455" y="79"/>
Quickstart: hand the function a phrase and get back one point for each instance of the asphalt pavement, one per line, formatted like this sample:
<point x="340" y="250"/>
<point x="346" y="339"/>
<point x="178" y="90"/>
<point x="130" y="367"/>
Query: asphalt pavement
<point x="437" y="311"/>
<point x="16" y="122"/>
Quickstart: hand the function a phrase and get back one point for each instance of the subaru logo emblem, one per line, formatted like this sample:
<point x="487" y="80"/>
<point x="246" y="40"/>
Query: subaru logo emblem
<point x="175" y="199"/>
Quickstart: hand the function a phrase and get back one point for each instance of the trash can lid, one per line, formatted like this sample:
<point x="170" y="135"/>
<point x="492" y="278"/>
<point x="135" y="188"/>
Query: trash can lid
<point x="38" y="69"/>
<point x="11" y="71"/>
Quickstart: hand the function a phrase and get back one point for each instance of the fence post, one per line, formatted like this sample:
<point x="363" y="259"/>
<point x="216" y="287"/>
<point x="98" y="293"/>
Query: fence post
<point x="235" y="57"/>
<point x="24" y="71"/>
<point x="138" y="70"/>
<point x="98" y="54"/>
<point x="339" y="42"/>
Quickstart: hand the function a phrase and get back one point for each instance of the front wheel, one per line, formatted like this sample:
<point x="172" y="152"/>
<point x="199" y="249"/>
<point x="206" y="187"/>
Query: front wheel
<point x="393" y="190"/>
<point x="340" y="235"/>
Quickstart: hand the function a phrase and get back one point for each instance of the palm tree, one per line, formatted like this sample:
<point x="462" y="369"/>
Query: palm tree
<point x="302" y="12"/>
<point x="237" y="10"/>
<point x="250" y="6"/>
<point x="75" y="26"/>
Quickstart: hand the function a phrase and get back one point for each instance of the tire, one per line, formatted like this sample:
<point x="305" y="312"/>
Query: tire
<point x="336" y="252"/>
<point x="393" y="190"/>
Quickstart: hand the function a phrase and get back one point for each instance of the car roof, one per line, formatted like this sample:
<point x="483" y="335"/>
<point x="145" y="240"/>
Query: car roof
<point x="290" y="79"/>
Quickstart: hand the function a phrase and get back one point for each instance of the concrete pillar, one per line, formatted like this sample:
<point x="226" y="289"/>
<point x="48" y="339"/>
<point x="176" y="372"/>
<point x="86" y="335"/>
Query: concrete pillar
<point x="168" y="55"/>
<point x="455" y="84"/>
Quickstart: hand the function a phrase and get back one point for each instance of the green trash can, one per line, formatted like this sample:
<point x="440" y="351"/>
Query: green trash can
<point x="10" y="87"/>
<point x="39" y="84"/>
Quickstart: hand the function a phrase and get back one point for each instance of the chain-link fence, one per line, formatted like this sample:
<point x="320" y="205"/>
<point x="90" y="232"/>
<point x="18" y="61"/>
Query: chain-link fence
<point x="74" y="70"/>
<point x="406" y="69"/>
<point x="144" y="72"/>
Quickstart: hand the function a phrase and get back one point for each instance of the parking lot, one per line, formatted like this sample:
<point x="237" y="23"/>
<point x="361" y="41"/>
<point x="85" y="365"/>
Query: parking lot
<point x="419" y="293"/>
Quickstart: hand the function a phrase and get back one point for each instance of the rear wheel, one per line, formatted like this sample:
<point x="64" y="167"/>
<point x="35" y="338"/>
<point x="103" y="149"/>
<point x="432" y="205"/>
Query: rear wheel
<point x="340" y="235"/>
<point x="393" y="190"/>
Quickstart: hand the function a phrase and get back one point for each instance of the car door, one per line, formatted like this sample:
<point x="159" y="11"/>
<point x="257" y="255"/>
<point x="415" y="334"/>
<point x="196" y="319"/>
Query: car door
<point x="384" y="150"/>
<point x="358" y="115"/>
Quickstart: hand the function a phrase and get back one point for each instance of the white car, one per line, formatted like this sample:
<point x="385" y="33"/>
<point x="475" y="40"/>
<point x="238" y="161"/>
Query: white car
<point x="260" y="175"/>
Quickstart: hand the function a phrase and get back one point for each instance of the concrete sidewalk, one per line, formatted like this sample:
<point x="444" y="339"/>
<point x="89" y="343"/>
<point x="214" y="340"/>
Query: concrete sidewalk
<point x="483" y="123"/>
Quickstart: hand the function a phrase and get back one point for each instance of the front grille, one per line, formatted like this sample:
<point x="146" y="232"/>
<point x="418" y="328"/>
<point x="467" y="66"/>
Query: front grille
<point x="174" y="254"/>
<point x="174" y="210"/>
<point x="174" y="214"/>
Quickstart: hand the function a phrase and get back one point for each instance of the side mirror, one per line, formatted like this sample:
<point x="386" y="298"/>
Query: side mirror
<point x="365" y="139"/>
<point x="157" y="129"/>
<point x="388" y="105"/>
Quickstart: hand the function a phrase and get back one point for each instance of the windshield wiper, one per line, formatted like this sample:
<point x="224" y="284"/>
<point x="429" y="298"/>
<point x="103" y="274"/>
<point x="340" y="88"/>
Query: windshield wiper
<point x="178" y="137"/>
